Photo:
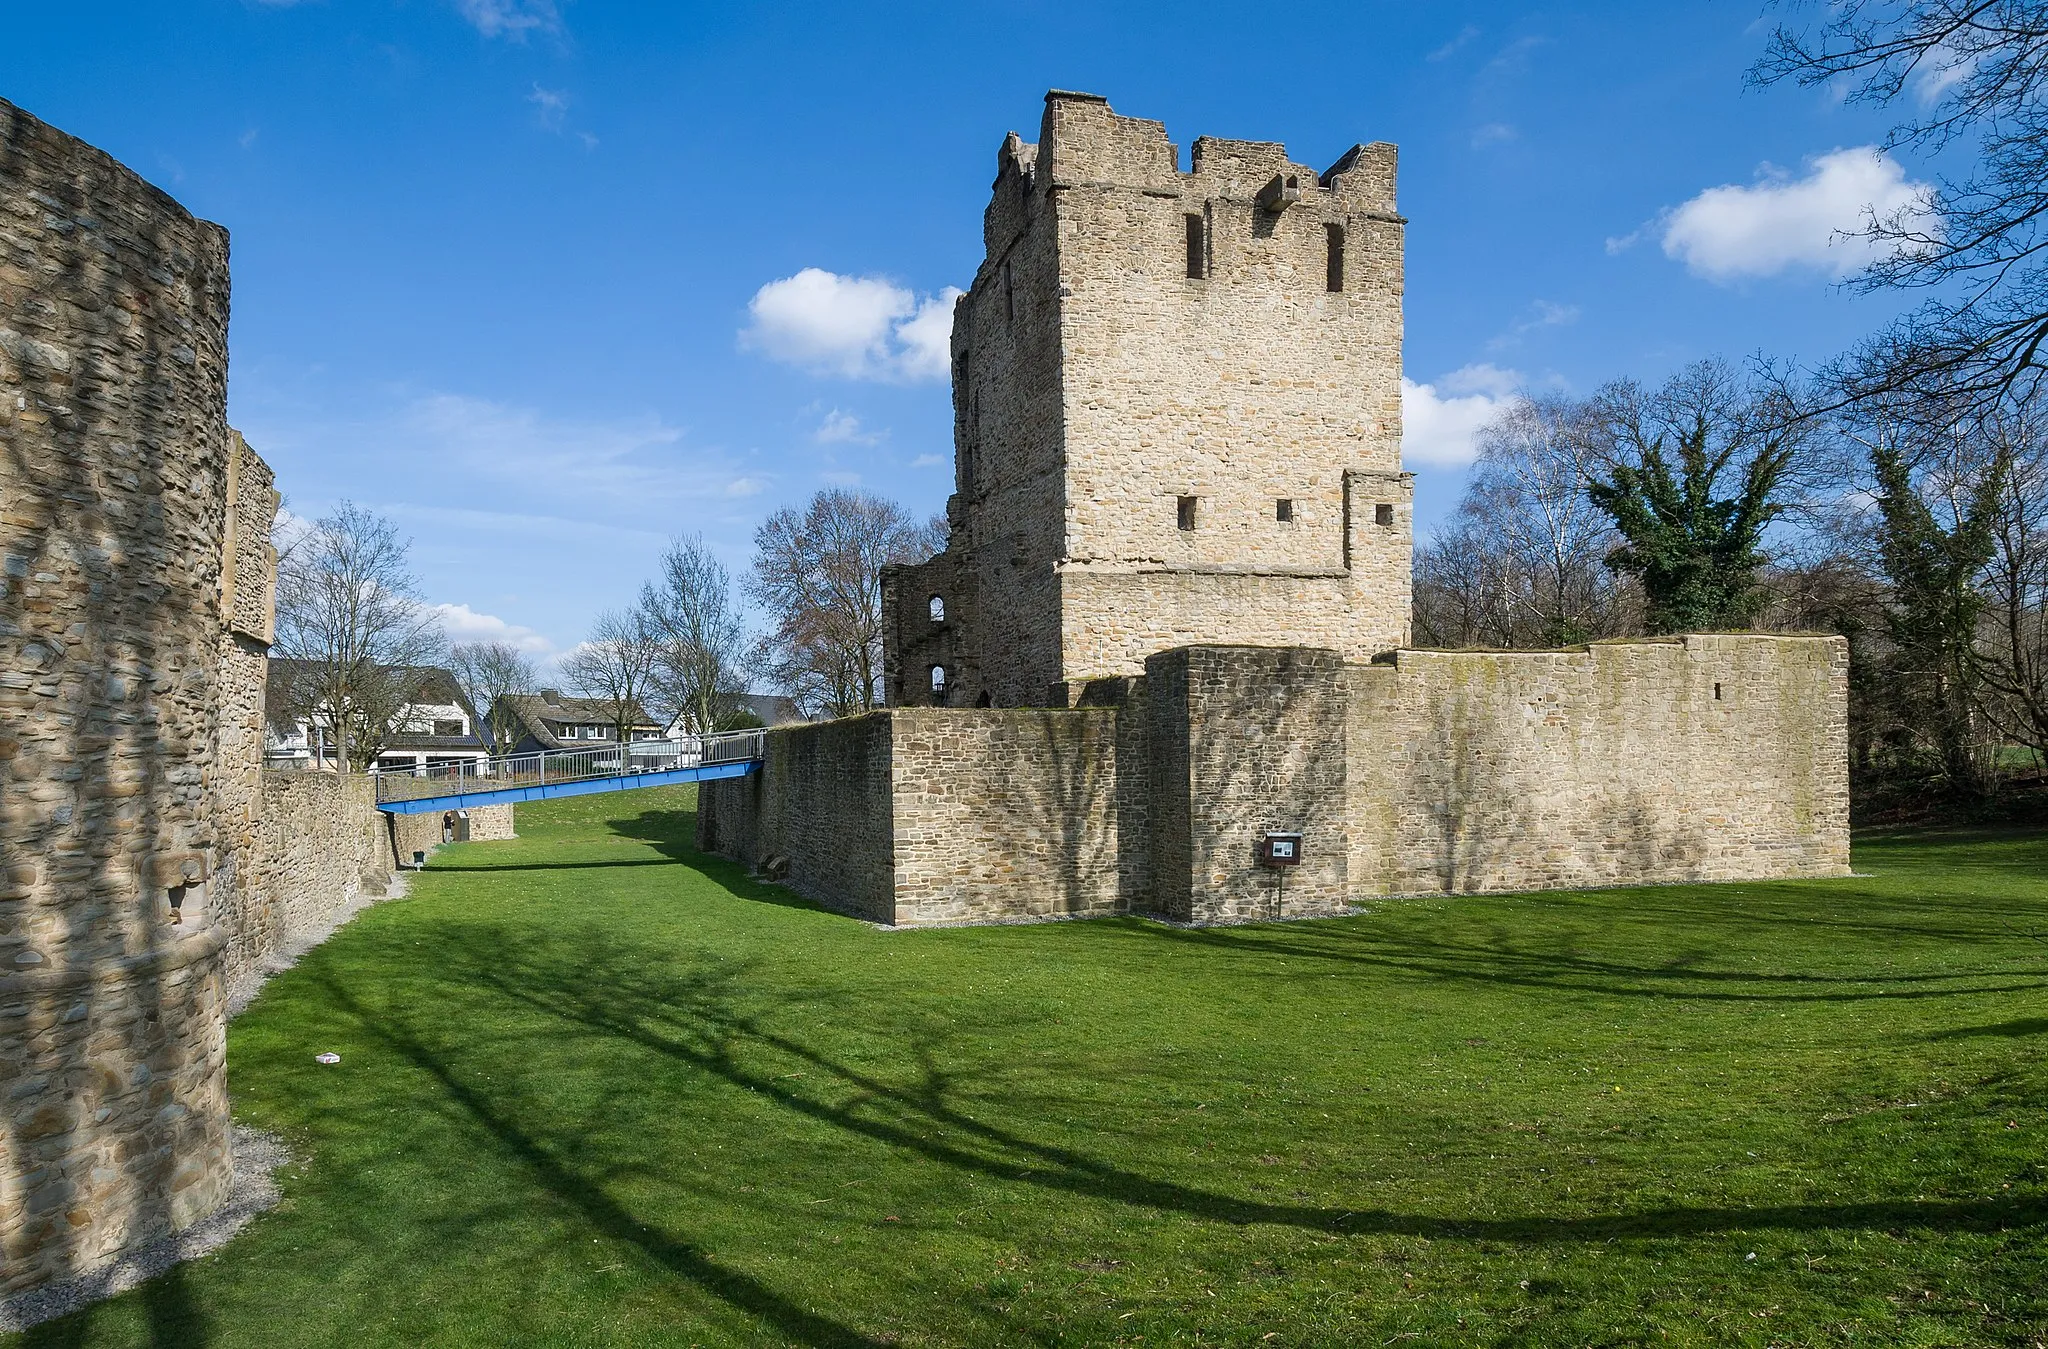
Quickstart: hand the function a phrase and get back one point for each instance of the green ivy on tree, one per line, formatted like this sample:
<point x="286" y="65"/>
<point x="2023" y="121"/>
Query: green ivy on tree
<point x="1936" y="607"/>
<point x="1695" y="551"/>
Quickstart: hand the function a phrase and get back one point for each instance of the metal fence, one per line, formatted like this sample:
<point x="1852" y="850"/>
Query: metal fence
<point x="550" y="767"/>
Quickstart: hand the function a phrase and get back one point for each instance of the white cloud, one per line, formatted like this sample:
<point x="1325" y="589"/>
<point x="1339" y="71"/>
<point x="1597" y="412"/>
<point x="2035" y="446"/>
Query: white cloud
<point x="1440" y="420"/>
<point x="1493" y="133"/>
<point x="1465" y="35"/>
<point x="511" y="18"/>
<point x="856" y="327"/>
<point x="1781" y="222"/>
<point x="746" y="487"/>
<point x="843" y="428"/>
<point x="464" y="624"/>
<point x="929" y="461"/>
<point x="553" y="106"/>
<point x="1540" y="314"/>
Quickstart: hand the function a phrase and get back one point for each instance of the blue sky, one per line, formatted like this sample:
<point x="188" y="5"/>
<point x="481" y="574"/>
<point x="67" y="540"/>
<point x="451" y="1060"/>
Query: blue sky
<point x="499" y="265"/>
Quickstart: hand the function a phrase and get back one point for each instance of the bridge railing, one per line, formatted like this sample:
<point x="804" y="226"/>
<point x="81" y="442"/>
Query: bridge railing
<point x="548" y="767"/>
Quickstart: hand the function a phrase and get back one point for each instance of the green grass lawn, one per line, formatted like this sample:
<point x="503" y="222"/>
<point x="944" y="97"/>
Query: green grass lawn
<point x="597" y="1090"/>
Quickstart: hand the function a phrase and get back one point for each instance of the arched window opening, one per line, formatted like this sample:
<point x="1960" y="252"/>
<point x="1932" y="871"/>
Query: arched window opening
<point x="938" y="609"/>
<point x="938" y="679"/>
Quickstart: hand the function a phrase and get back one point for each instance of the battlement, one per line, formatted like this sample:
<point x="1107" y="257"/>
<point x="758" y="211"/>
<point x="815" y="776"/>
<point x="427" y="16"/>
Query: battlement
<point x="1083" y="142"/>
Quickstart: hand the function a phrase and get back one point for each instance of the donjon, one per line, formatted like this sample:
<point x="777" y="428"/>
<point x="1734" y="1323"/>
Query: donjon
<point x="1177" y="412"/>
<point x="1170" y="623"/>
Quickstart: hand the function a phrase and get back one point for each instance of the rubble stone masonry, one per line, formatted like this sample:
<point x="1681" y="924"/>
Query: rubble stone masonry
<point x="147" y="862"/>
<point x="114" y="462"/>
<point x="1699" y="758"/>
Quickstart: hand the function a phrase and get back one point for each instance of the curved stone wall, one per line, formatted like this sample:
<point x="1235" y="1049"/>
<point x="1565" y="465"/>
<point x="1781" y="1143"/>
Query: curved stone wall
<point x="113" y="501"/>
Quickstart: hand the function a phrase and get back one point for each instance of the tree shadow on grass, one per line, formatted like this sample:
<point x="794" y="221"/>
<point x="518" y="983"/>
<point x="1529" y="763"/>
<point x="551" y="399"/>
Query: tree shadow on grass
<point x="1500" y="964"/>
<point x="634" y="995"/>
<point x="551" y="1168"/>
<point x="2037" y="1025"/>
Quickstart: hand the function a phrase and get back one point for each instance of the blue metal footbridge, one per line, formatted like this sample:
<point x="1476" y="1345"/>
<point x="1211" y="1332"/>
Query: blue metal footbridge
<point x="547" y="774"/>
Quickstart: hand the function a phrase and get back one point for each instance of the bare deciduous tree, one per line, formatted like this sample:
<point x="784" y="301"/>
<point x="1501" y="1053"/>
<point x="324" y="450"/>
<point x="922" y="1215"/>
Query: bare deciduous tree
<point x="1976" y="72"/>
<point x="817" y="572"/>
<point x="350" y="620"/>
<point x="490" y="674"/>
<point x="701" y="644"/>
<point x="615" y="667"/>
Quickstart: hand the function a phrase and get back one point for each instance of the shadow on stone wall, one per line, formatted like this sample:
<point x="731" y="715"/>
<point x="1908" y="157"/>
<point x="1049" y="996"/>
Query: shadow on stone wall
<point x="112" y="454"/>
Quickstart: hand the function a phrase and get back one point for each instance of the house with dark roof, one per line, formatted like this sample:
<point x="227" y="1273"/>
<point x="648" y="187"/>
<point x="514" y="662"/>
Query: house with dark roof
<point x="436" y="726"/>
<point x="551" y="720"/>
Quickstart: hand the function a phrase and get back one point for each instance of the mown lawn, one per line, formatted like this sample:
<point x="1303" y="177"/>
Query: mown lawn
<point x="596" y="1090"/>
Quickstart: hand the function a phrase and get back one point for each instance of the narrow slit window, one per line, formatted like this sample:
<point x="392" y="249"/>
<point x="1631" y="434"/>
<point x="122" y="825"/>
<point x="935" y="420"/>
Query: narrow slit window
<point x="1717" y="693"/>
<point x="1187" y="512"/>
<point x="1198" y="250"/>
<point x="938" y="608"/>
<point x="1009" y="296"/>
<point x="1333" y="237"/>
<point x="1283" y="510"/>
<point x="1383" y="514"/>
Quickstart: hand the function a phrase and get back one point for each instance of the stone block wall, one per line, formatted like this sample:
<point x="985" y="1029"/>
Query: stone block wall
<point x="114" y="456"/>
<point x="1696" y="758"/>
<point x="817" y="814"/>
<point x="1003" y="815"/>
<point x="1247" y="741"/>
<point x="147" y="863"/>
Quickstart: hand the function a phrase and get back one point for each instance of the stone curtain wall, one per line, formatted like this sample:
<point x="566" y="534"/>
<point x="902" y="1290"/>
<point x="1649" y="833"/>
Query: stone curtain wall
<point x="1615" y="764"/>
<point x="114" y="456"/>
<point x="934" y="816"/>
<point x="147" y="862"/>
<point x="1431" y="773"/>
<point x="817" y="814"/>
<point x="1002" y="815"/>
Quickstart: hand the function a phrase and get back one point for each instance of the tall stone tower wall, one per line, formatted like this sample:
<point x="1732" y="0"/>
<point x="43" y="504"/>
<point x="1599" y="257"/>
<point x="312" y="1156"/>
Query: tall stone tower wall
<point x="1177" y="414"/>
<point x="114" y="467"/>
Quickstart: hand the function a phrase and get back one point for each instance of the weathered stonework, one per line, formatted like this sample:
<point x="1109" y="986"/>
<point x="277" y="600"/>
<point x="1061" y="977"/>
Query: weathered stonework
<point x="147" y="864"/>
<point x="1097" y="384"/>
<point x="114" y="458"/>
<point x="1700" y="758"/>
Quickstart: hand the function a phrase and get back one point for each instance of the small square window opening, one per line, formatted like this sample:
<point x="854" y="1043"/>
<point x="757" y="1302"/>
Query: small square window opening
<point x="1283" y="510"/>
<point x="1187" y="512"/>
<point x="1383" y="514"/>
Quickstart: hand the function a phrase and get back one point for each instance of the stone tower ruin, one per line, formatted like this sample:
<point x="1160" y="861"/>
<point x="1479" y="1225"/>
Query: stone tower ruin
<point x="1177" y="417"/>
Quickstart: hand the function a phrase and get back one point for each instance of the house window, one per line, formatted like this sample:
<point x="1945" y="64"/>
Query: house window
<point x="447" y="728"/>
<point x="1198" y="248"/>
<point x="938" y="679"/>
<point x="1187" y="512"/>
<point x="938" y="609"/>
<point x="1283" y="510"/>
<point x="1333" y="237"/>
<point x="1383" y="514"/>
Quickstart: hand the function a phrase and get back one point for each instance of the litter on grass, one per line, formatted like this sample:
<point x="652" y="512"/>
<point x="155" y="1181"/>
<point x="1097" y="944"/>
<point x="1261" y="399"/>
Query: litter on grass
<point x="327" y="1058"/>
